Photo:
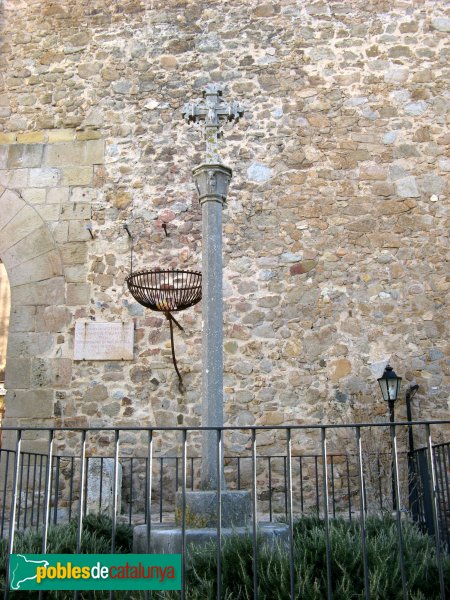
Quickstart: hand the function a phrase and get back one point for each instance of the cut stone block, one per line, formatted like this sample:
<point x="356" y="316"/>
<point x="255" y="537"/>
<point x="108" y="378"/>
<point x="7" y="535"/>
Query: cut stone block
<point x="78" y="231"/>
<point x="74" y="253"/>
<point x="25" y="155"/>
<point x="44" y="177"/>
<point x="53" y="318"/>
<point x="77" y="175"/>
<point x="33" y="404"/>
<point x="23" y="345"/>
<point x="10" y="204"/>
<point x="45" y="293"/>
<point x="201" y="507"/>
<point x="17" y="375"/>
<point x="75" y="153"/>
<point x="37" y="242"/>
<point x="100" y="486"/>
<point x="45" y="266"/>
<point x="78" y="294"/>
<point x="167" y="539"/>
<point x="22" y="318"/>
<point x="14" y="178"/>
<point x="24" y="222"/>
<point x="55" y="372"/>
<point x="34" y="195"/>
<point x="60" y="135"/>
<point x="49" y="213"/>
<point x="75" y="211"/>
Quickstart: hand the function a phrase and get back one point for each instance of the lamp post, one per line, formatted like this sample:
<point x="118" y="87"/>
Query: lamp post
<point x="412" y="479"/>
<point x="390" y="387"/>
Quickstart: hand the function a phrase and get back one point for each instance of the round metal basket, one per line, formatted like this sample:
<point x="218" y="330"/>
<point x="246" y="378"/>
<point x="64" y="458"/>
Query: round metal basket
<point x="166" y="290"/>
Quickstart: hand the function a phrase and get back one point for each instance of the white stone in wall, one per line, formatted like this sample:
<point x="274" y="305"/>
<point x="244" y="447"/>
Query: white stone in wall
<point x="100" y="486"/>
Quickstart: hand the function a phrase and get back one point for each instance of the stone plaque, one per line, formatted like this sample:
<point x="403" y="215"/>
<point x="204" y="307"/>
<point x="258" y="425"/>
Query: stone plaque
<point x="103" y="341"/>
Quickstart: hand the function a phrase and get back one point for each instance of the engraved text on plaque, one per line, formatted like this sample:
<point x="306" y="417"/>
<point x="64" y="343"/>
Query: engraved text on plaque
<point x="103" y="341"/>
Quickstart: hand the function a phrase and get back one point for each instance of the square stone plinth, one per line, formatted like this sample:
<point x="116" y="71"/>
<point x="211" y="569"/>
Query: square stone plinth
<point x="202" y="509"/>
<point x="168" y="539"/>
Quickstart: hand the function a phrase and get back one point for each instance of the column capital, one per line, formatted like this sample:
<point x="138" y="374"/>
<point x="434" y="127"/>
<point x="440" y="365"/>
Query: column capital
<point x="211" y="182"/>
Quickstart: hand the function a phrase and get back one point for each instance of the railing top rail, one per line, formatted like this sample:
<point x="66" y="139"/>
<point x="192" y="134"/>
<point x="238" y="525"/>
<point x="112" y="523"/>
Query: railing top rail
<point x="152" y="428"/>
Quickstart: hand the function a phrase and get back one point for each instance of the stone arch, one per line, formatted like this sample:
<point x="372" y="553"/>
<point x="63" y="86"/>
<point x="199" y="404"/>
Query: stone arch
<point x="35" y="271"/>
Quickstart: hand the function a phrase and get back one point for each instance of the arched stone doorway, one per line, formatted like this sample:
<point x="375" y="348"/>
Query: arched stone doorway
<point x="34" y="268"/>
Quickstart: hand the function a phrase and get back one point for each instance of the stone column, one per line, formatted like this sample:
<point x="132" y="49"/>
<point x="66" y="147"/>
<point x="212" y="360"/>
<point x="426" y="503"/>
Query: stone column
<point x="211" y="181"/>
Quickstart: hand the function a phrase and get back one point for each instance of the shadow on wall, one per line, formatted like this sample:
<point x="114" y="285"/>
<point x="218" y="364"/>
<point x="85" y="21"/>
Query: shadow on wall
<point x="5" y="303"/>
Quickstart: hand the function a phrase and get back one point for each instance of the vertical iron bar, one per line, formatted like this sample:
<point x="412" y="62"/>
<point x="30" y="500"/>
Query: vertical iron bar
<point x="86" y="491"/>
<point x="115" y="491"/>
<point x="290" y="514"/>
<point x="12" y="520"/>
<point x="100" y="496"/>
<point x="71" y="486"/>
<point x="20" y="491"/>
<point x="441" y="499"/>
<point x="33" y="491"/>
<point x="302" y="504"/>
<point x="349" y="495"/>
<point x="219" y="513"/>
<point x="437" y="537"/>
<point x="51" y="486"/>
<point x="183" y="517"/>
<point x="131" y="492"/>
<point x="254" y="522"/>
<point x="176" y="474"/>
<point x="47" y="494"/>
<point x="40" y="491"/>
<point x="333" y="499"/>
<point x="239" y="472"/>
<point x="397" y="504"/>
<point x="316" y="467"/>
<point x="446" y="492"/>
<point x="27" y="485"/>
<point x="55" y="509"/>
<point x="48" y="491"/>
<point x="285" y="488"/>
<point x="380" y="489"/>
<point x="82" y="478"/>
<point x="326" y="514"/>
<point x="161" y="467"/>
<point x="192" y="473"/>
<point x="4" y="492"/>
<point x="362" y="510"/>
<point x="270" y="488"/>
<point x="149" y="483"/>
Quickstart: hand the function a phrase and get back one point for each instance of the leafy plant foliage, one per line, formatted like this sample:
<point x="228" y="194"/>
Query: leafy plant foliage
<point x="273" y="572"/>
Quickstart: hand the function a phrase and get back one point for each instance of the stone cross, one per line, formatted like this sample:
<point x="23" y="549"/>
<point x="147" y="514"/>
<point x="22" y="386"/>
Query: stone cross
<point x="211" y="180"/>
<point x="212" y="110"/>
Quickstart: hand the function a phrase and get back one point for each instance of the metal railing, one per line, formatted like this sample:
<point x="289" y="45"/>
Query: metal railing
<point x="41" y="489"/>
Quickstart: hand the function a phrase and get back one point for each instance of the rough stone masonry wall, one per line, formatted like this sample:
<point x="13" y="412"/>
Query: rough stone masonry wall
<point x="336" y="230"/>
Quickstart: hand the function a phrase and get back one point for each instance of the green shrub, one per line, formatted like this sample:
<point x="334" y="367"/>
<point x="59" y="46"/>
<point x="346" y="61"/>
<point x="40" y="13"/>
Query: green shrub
<point x="62" y="539"/>
<point x="311" y="569"/>
<point x="273" y="565"/>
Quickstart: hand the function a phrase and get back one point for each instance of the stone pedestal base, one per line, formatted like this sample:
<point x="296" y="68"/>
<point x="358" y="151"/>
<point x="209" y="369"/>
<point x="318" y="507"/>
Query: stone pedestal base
<point x="201" y="509"/>
<point x="166" y="539"/>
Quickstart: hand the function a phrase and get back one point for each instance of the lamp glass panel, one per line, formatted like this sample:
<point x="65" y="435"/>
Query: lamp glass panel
<point x="393" y="388"/>
<point x="384" y="388"/>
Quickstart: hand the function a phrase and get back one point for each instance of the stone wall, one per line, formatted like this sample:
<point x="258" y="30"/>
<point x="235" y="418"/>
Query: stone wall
<point x="336" y="229"/>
